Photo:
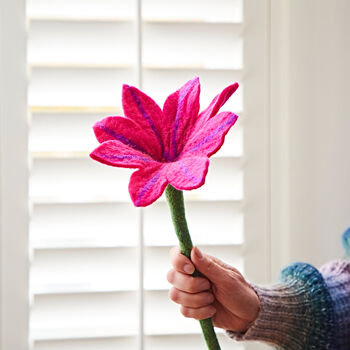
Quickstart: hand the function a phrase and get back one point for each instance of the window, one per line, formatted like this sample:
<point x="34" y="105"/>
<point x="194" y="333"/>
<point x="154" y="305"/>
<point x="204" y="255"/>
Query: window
<point x="86" y="278"/>
<point x="75" y="69"/>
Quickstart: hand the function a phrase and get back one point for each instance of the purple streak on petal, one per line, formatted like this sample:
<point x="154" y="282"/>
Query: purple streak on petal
<point x="188" y="173"/>
<point x="214" y="133"/>
<point x="147" y="187"/>
<point x="177" y="118"/>
<point x="120" y="138"/>
<point x="125" y="156"/>
<point x="149" y="120"/>
<point x="166" y="156"/>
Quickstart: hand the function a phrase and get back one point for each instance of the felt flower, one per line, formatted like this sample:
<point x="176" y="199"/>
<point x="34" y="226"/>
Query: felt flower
<point x="169" y="146"/>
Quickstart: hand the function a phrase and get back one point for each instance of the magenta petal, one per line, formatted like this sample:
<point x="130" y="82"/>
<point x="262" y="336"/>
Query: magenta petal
<point x="128" y="132"/>
<point x="188" y="173"/>
<point x="147" y="184"/>
<point x="180" y="114"/>
<point x="145" y="113"/>
<point x="208" y="140"/>
<point x="116" y="153"/>
<point x="218" y="101"/>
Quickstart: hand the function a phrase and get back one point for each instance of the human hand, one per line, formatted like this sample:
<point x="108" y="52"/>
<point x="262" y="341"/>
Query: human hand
<point x="222" y="293"/>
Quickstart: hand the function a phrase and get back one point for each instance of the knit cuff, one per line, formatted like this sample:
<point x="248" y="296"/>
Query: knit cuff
<point x="337" y="277"/>
<point x="295" y="314"/>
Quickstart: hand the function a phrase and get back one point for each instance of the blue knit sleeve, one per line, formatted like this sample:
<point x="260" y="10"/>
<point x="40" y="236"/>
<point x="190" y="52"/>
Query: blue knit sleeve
<point x="307" y="309"/>
<point x="296" y="314"/>
<point x="337" y="278"/>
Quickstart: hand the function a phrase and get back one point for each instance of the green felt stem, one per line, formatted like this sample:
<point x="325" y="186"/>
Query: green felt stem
<point x="177" y="208"/>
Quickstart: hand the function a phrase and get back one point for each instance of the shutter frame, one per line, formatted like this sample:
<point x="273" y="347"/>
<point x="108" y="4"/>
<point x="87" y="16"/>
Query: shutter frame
<point x="85" y="107"/>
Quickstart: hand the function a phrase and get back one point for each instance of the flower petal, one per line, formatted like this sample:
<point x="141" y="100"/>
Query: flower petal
<point x="128" y="132"/>
<point x="188" y="173"/>
<point x="180" y="114"/>
<point x="215" y="105"/>
<point x="147" y="184"/>
<point x="116" y="153"/>
<point x="145" y="112"/>
<point x="208" y="140"/>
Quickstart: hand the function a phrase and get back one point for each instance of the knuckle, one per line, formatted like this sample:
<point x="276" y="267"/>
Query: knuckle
<point x="199" y="317"/>
<point x="186" y="312"/>
<point x="208" y="298"/>
<point x="210" y="265"/>
<point x="236" y="277"/>
<point x="193" y="301"/>
<point x="177" y="263"/>
<point x="206" y="312"/>
<point x="229" y="281"/>
<point x="211" y="268"/>
<point x="235" y="270"/>
<point x="202" y="300"/>
<point x="170" y="276"/>
<point x="200" y="303"/>
<point x="174" y="295"/>
<point x="193" y="285"/>
<point x="197" y="302"/>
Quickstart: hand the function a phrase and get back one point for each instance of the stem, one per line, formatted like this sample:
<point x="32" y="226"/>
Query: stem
<point x="177" y="209"/>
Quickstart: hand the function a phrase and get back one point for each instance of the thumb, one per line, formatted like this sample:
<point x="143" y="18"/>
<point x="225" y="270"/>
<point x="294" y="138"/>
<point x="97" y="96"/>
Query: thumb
<point x="205" y="264"/>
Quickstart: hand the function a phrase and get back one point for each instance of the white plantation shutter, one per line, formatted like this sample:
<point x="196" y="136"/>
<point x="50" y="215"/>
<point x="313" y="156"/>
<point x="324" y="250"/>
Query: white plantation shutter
<point x="98" y="269"/>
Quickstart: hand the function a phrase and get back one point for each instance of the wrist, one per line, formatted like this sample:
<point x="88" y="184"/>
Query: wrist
<point x="254" y="308"/>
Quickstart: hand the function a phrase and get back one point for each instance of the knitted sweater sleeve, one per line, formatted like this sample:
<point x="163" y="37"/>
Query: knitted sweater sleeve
<point x="306" y="309"/>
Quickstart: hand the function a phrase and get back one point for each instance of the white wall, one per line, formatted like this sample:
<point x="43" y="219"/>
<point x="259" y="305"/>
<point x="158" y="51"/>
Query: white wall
<point x="313" y="81"/>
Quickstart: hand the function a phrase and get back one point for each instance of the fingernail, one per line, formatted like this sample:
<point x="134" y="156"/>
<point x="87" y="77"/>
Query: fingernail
<point x="188" y="269"/>
<point x="198" y="253"/>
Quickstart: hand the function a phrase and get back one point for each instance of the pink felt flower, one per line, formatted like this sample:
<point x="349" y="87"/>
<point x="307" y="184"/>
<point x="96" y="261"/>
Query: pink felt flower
<point x="168" y="147"/>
